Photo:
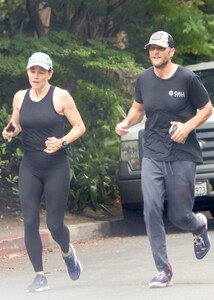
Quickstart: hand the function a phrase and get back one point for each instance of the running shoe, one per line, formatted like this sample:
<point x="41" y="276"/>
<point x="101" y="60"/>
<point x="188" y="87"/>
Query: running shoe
<point x="74" y="266"/>
<point x="162" y="279"/>
<point x="202" y="240"/>
<point x="39" y="284"/>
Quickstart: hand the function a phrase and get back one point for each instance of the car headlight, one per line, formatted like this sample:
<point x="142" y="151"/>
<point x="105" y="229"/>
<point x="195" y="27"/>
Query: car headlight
<point x="130" y="154"/>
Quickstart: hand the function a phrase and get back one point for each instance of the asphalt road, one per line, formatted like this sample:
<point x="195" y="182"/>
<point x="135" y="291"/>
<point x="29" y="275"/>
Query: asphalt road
<point x="115" y="268"/>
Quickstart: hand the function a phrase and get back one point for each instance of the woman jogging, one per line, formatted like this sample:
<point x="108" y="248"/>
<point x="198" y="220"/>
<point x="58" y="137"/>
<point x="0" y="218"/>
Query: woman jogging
<point x="40" y="114"/>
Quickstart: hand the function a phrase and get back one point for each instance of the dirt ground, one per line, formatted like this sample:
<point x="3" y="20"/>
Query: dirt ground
<point x="11" y="219"/>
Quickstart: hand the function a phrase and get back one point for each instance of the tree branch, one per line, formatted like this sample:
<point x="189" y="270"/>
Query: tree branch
<point x="78" y="18"/>
<point x="32" y="7"/>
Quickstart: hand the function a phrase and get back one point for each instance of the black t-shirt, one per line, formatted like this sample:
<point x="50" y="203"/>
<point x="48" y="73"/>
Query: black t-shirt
<point x="165" y="100"/>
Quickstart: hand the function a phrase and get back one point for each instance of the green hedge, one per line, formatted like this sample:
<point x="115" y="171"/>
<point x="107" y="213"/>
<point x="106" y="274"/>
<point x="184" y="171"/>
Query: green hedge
<point x="91" y="73"/>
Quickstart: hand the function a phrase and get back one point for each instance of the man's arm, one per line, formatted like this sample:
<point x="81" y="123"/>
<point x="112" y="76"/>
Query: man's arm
<point x="134" y="116"/>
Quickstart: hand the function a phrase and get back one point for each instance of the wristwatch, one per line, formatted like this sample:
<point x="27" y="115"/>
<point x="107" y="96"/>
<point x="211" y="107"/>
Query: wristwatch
<point x="63" y="143"/>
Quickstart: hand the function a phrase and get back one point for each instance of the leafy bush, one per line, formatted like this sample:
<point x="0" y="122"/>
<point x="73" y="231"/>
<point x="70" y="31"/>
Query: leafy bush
<point x="94" y="163"/>
<point x="92" y="74"/>
<point x="10" y="155"/>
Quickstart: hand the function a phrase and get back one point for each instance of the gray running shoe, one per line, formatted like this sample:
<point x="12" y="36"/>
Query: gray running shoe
<point x="39" y="284"/>
<point x="74" y="266"/>
<point x="162" y="279"/>
<point x="202" y="240"/>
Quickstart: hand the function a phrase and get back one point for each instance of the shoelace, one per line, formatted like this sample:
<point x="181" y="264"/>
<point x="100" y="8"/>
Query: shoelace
<point x="199" y="241"/>
<point x="160" y="275"/>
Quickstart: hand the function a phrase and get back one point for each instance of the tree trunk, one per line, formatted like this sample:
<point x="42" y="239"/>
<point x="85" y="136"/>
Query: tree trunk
<point x="78" y="19"/>
<point x="32" y="7"/>
<point x="45" y="16"/>
<point x="111" y="6"/>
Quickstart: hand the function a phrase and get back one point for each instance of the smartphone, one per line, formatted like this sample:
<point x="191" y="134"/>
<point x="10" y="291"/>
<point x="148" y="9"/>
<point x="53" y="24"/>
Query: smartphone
<point x="172" y="129"/>
<point x="10" y="127"/>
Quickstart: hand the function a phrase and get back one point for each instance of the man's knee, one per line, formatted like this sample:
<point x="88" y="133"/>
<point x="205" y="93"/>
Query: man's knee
<point x="180" y="220"/>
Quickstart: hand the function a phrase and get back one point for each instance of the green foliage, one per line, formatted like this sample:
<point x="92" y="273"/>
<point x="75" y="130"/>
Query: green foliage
<point x="190" y="22"/>
<point x="195" y="34"/>
<point x="12" y="16"/>
<point x="13" y="181"/>
<point x="10" y="155"/>
<point x="93" y="177"/>
<point x="94" y="174"/>
<point x="92" y="74"/>
<point x="98" y="75"/>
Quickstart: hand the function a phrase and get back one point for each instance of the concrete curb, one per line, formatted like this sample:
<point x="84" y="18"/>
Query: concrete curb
<point x="84" y="231"/>
<point x="15" y="243"/>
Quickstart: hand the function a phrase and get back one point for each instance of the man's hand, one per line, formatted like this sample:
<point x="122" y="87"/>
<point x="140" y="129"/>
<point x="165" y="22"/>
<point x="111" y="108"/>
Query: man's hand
<point x="179" y="132"/>
<point x="121" y="129"/>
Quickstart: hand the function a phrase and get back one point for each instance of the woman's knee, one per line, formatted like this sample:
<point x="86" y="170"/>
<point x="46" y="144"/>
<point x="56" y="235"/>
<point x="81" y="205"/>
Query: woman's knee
<point x="31" y="226"/>
<point x="55" y="227"/>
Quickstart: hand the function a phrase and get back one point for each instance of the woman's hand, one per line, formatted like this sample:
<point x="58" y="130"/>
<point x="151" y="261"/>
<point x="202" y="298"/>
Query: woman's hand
<point x="52" y="144"/>
<point x="8" y="131"/>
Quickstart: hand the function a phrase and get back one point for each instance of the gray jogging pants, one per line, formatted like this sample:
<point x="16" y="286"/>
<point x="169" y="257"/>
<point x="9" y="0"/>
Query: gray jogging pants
<point x="176" y="181"/>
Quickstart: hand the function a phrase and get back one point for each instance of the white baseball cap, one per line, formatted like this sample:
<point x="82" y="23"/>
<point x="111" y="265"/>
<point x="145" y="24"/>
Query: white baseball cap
<point x="40" y="59"/>
<point x="162" y="39"/>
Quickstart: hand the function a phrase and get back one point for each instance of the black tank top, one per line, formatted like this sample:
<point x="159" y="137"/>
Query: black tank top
<point x="39" y="120"/>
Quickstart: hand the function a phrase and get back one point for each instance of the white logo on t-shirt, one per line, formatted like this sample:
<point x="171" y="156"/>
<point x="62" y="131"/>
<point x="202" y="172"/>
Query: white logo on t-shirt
<point x="178" y="94"/>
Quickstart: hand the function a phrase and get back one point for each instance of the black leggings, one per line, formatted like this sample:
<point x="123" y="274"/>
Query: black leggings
<point x="40" y="175"/>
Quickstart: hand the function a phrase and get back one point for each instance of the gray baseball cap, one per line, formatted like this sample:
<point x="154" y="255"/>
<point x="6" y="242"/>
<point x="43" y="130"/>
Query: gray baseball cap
<point x="162" y="39"/>
<point x="40" y="59"/>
